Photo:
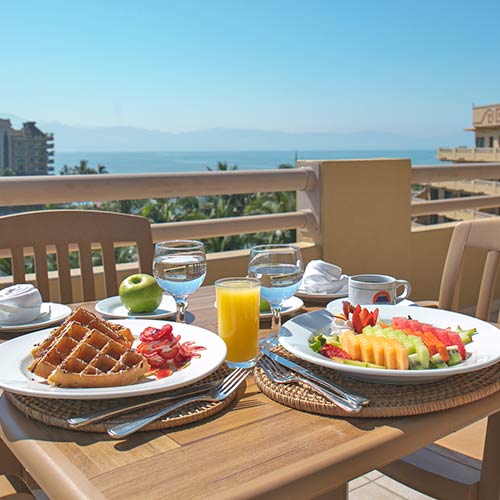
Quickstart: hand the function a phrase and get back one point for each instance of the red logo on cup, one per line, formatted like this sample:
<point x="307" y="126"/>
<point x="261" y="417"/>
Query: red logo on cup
<point x="381" y="297"/>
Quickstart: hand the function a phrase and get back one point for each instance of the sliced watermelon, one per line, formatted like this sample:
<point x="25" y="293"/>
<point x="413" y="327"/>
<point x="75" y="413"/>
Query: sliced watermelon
<point x="457" y="340"/>
<point x="399" y="322"/>
<point x="443" y="336"/>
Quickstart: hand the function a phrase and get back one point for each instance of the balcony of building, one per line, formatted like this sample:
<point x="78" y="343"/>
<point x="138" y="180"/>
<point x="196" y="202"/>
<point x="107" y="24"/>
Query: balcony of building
<point x="469" y="155"/>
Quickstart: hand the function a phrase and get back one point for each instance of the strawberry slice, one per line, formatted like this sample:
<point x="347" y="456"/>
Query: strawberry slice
<point x="331" y="351"/>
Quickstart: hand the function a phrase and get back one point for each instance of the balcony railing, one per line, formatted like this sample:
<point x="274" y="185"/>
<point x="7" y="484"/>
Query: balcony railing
<point x="462" y="155"/>
<point x="355" y="213"/>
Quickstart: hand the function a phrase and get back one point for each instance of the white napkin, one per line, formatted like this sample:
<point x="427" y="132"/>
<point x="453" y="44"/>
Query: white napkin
<point x="19" y="304"/>
<point x="321" y="277"/>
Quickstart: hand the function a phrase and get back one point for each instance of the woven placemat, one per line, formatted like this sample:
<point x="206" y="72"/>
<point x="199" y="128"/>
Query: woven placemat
<point x="55" y="412"/>
<point x="386" y="400"/>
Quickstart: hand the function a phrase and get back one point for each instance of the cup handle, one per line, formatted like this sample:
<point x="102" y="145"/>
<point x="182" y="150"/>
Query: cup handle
<point x="406" y="292"/>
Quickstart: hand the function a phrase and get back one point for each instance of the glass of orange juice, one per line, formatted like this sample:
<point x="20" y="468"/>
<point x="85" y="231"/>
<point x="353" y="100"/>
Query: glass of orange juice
<point x="238" y="308"/>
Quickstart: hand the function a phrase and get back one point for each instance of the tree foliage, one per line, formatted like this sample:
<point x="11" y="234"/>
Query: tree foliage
<point x="160" y="210"/>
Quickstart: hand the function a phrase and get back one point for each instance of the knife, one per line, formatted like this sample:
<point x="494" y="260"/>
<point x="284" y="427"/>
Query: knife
<point x="76" y="422"/>
<point x="351" y="396"/>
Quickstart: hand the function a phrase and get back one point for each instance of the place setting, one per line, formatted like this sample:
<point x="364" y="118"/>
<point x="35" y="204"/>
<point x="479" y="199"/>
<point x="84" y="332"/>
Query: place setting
<point x="22" y="310"/>
<point x="373" y="360"/>
<point x="119" y="375"/>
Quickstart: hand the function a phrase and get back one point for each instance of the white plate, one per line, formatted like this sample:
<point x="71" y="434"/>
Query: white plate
<point x="16" y="357"/>
<point x="51" y="313"/>
<point x="484" y="350"/>
<point x="319" y="297"/>
<point x="113" y="308"/>
<point x="335" y="306"/>
<point x="289" y="306"/>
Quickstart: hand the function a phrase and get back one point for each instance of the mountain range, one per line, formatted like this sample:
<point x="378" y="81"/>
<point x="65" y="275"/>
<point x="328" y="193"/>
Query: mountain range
<point x="127" y="139"/>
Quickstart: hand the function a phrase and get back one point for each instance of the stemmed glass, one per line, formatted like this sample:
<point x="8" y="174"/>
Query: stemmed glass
<point x="180" y="266"/>
<point x="279" y="269"/>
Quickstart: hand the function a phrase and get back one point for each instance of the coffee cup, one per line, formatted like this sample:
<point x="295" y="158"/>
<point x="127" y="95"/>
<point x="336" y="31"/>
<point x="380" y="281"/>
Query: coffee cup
<point x="376" y="289"/>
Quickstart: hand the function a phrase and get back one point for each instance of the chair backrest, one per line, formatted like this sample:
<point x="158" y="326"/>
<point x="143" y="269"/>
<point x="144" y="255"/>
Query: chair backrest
<point x="483" y="234"/>
<point x="80" y="228"/>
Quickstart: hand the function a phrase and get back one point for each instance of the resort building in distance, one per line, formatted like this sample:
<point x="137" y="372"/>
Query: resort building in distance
<point x="486" y="127"/>
<point x="27" y="151"/>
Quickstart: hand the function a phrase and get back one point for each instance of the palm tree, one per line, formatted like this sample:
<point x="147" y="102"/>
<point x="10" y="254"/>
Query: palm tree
<point x="83" y="169"/>
<point x="222" y="166"/>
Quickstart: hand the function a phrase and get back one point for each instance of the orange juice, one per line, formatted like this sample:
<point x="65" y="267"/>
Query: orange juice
<point x="238" y="307"/>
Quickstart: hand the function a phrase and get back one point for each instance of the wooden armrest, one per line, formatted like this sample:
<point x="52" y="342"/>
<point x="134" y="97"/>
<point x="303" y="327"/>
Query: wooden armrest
<point x="434" y="304"/>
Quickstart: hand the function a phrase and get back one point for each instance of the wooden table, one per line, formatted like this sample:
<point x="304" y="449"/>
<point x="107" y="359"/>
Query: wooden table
<point x="259" y="449"/>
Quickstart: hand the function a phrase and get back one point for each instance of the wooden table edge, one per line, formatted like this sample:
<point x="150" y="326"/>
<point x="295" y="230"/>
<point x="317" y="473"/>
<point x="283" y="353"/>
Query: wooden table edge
<point x="54" y="473"/>
<point x="331" y="469"/>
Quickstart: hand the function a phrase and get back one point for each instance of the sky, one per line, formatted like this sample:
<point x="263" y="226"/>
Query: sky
<point x="412" y="67"/>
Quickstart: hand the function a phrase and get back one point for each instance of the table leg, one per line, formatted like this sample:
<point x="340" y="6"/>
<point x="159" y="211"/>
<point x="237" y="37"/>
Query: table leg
<point x="489" y="485"/>
<point x="10" y="467"/>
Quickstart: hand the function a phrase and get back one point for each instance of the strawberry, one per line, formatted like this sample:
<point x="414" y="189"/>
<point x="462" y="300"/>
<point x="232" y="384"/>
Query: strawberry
<point x="330" y="351"/>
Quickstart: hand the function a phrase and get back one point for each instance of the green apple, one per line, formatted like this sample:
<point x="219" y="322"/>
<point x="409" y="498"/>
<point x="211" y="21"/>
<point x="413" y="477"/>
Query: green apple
<point x="140" y="293"/>
<point x="264" y="305"/>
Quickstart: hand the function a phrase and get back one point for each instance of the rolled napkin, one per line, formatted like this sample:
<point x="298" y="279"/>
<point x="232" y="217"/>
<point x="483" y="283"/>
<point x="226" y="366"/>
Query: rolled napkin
<point x="321" y="277"/>
<point x="19" y="304"/>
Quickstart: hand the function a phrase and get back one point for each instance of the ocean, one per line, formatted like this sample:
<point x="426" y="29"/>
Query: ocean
<point x="198" y="161"/>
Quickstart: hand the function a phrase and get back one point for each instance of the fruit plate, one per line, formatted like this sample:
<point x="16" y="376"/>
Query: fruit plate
<point x="112" y="307"/>
<point x="50" y="314"/>
<point x="16" y="357"/>
<point x="484" y="350"/>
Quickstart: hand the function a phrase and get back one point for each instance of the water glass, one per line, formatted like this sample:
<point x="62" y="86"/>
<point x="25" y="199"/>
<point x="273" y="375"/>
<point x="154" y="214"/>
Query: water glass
<point x="279" y="268"/>
<point x="180" y="267"/>
<point x="238" y="309"/>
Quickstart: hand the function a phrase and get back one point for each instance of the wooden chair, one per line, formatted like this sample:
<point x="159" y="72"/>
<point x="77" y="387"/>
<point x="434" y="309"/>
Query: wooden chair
<point x="451" y="468"/>
<point x="57" y="229"/>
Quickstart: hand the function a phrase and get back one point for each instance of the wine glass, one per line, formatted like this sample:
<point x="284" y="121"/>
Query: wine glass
<point x="279" y="269"/>
<point x="180" y="266"/>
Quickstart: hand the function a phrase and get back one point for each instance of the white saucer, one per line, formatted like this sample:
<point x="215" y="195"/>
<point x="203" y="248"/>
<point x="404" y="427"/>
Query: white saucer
<point x="319" y="297"/>
<point x="289" y="306"/>
<point x="335" y="306"/>
<point x="113" y="308"/>
<point x="51" y="313"/>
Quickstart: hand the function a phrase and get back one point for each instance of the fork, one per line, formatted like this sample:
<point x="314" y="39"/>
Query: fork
<point x="281" y="375"/>
<point x="219" y="393"/>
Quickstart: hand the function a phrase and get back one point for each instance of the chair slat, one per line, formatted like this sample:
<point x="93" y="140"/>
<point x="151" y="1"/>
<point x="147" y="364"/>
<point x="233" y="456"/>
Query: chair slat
<point x="61" y="229"/>
<point x="87" y="271"/>
<point x="145" y="254"/>
<point x="487" y="288"/>
<point x="18" y="271"/>
<point x="41" y="271"/>
<point x="109" y="263"/>
<point x="64" y="270"/>
<point x="448" y="293"/>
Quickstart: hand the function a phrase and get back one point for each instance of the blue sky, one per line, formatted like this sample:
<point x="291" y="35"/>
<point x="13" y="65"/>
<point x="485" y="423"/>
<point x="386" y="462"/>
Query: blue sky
<point x="412" y="67"/>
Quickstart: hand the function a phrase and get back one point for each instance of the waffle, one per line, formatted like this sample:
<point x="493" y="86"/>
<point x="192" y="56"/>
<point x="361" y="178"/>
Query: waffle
<point x="78" y="355"/>
<point x="116" y="332"/>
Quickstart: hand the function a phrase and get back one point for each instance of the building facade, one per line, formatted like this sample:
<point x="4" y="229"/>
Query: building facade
<point x="27" y="151"/>
<point x="486" y="128"/>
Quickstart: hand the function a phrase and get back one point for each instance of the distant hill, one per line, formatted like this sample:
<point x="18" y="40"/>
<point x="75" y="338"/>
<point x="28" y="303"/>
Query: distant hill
<point x="86" y="138"/>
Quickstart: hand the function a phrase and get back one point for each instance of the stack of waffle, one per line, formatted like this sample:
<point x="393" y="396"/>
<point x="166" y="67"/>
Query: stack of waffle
<point x="86" y="351"/>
